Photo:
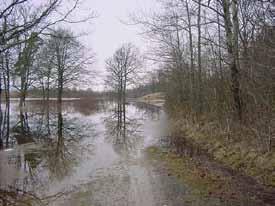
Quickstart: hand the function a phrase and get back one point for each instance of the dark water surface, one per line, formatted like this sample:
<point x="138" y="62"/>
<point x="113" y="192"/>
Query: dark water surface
<point x="82" y="156"/>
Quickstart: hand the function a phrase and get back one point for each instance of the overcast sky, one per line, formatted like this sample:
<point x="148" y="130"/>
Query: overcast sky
<point x="106" y="33"/>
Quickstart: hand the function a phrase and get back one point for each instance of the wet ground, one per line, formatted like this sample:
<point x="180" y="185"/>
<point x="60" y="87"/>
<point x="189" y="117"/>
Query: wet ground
<point x="85" y="155"/>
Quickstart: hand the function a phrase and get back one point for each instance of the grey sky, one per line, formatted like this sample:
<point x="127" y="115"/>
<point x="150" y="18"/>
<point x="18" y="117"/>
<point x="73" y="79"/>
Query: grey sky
<point x="107" y="33"/>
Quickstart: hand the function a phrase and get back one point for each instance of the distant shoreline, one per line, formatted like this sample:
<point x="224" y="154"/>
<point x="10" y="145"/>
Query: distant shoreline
<point x="156" y="99"/>
<point x="38" y="99"/>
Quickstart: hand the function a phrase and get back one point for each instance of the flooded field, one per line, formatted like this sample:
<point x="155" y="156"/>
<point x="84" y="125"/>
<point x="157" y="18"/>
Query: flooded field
<point x="82" y="154"/>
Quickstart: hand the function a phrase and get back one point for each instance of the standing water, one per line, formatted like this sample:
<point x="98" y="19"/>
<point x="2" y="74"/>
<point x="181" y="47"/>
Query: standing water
<point x="84" y="156"/>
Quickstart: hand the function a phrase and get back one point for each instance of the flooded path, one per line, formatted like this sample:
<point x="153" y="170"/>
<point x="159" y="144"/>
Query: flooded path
<point x="83" y="156"/>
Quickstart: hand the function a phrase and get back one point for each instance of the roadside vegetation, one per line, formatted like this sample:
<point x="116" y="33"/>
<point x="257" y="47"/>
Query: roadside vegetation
<point x="211" y="183"/>
<point x="217" y="72"/>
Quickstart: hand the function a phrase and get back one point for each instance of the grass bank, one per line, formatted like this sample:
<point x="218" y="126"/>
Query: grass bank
<point x="240" y="154"/>
<point x="203" y="182"/>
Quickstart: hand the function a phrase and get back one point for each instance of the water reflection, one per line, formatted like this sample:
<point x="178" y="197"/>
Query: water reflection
<point x="59" y="159"/>
<point x="21" y="130"/>
<point x="151" y="111"/>
<point x="4" y="125"/>
<point x="123" y="129"/>
<point x="70" y="155"/>
<point x="48" y="148"/>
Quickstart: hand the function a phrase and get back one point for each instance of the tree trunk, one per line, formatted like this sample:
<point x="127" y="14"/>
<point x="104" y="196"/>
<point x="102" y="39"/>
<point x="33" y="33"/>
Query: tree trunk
<point x="199" y="58"/>
<point x="60" y="71"/>
<point x="0" y="88"/>
<point x="60" y="88"/>
<point x="1" y="114"/>
<point x="7" y="96"/>
<point x="192" y="66"/>
<point x="232" y="47"/>
<point x="48" y="89"/>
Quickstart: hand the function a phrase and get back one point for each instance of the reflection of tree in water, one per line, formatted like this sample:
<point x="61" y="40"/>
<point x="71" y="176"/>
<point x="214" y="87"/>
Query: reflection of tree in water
<point x="4" y="125"/>
<point x="16" y="190"/>
<point x="122" y="130"/>
<point x="58" y="152"/>
<point x="21" y="131"/>
<point x="85" y="107"/>
<point x="62" y="146"/>
<point x="59" y="157"/>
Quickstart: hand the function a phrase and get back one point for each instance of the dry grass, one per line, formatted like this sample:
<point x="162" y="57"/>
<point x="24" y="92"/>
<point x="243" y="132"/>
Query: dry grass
<point x="233" y="148"/>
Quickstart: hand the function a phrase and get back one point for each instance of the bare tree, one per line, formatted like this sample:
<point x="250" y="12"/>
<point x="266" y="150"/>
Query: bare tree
<point x="216" y="46"/>
<point x="20" y="23"/>
<point x="14" y="21"/>
<point x="68" y="57"/>
<point x="123" y="70"/>
<point x="24" y="66"/>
